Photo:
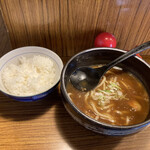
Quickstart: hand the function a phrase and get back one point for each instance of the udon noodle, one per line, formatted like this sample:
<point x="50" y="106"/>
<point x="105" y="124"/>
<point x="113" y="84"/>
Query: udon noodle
<point x="119" y="99"/>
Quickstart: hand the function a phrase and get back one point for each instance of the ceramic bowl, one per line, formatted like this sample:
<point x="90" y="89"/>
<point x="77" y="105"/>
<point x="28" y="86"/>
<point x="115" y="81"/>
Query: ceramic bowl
<point x="30" y="51"/>
<point x="95" y="56"/>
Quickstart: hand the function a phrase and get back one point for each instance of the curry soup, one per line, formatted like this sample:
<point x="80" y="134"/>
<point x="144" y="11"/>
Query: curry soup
<point x="119" y="99"/>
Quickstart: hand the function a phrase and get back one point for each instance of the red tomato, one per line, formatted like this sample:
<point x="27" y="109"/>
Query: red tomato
<point x="105" y="39"/>
<point x="139" y="55"/>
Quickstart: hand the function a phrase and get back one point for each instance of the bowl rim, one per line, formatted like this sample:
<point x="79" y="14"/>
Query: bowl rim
<point x="34" y="49"/>
<point x="64" y="91"/>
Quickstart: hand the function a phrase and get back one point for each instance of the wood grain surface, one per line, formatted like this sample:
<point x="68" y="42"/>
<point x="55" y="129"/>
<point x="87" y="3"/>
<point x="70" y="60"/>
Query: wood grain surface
<point x="70" y="26"/>
<point x="46" y="125"/>
<point x="66" y="27"/>
<point x="5" y="45"/>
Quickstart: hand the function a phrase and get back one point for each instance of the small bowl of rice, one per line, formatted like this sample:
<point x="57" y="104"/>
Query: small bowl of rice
<point x="29" y="73"/>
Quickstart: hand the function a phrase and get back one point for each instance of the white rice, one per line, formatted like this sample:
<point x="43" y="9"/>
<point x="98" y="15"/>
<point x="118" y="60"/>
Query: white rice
<point x="30" y="76"/>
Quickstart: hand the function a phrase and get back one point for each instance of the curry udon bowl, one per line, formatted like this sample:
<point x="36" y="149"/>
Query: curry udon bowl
<point x="95" y="56"/>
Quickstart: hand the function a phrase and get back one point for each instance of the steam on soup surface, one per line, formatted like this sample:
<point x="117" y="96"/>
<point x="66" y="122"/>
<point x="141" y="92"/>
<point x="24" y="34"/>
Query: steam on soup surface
<point x="119" y="99"/>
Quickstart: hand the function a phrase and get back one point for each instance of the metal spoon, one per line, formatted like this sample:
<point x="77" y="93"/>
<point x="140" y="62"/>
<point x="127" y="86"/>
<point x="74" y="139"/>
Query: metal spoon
<point x="86" y="78"/>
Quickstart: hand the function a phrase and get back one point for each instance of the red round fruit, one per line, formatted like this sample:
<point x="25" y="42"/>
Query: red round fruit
<point x="137" y="54"/>
<point x="105" y="39"/>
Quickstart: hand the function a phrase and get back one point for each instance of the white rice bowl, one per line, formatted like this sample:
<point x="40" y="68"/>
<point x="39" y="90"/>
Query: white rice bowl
<point x="29" y="73"/>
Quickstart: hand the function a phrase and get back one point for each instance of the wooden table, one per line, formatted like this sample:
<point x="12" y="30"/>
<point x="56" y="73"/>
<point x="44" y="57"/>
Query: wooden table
<point x="45" y="125"/>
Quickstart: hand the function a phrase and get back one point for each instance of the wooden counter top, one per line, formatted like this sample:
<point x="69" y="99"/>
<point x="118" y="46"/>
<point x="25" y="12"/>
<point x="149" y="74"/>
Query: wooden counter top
<point x="45" y="125"/>
<point x="66" y="27"/>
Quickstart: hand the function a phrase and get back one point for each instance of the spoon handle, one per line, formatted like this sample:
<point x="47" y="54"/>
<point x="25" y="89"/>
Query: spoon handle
<point x="128" y="54"/>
